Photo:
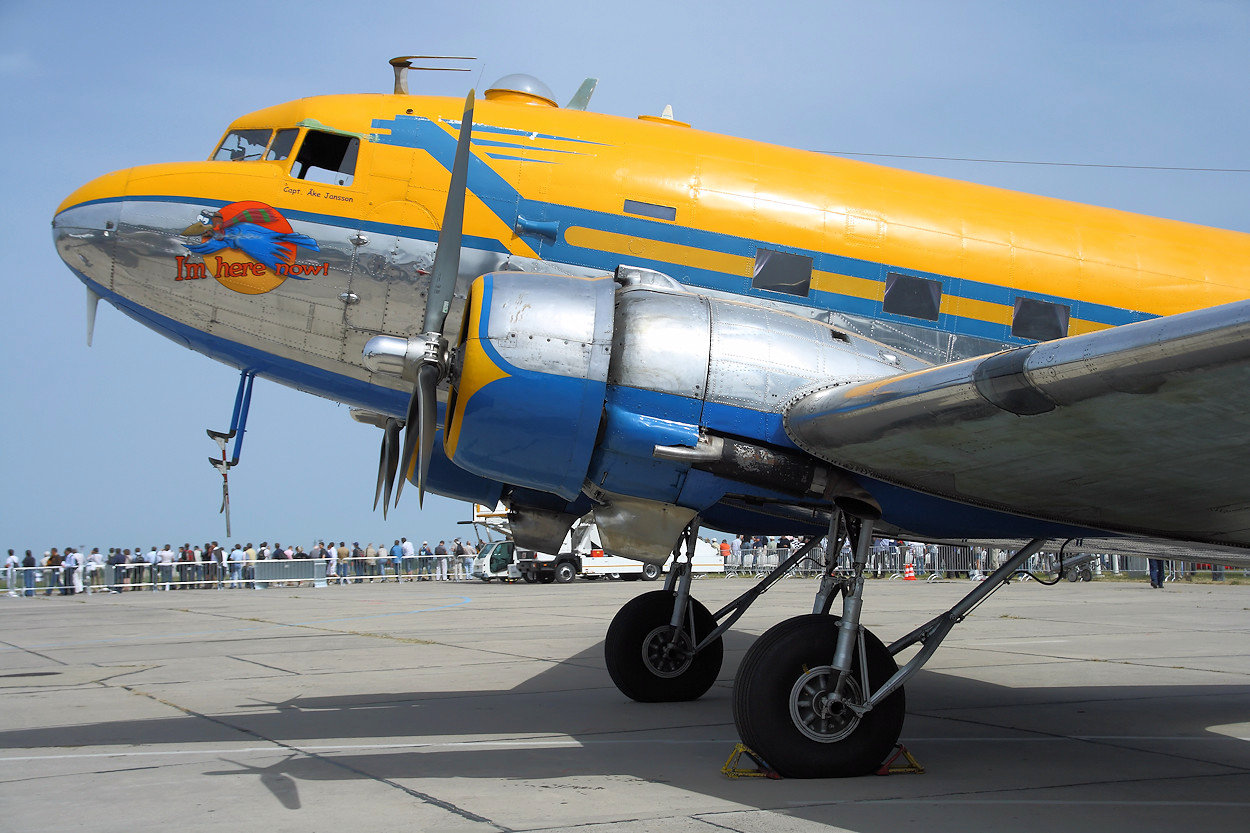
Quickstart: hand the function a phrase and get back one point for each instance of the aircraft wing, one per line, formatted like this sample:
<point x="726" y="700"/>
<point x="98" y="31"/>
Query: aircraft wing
<point x="1143" y="429"/>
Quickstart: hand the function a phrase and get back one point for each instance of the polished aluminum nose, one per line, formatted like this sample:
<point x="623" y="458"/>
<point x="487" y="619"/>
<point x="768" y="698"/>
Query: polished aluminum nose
<point x="85" y="237"/>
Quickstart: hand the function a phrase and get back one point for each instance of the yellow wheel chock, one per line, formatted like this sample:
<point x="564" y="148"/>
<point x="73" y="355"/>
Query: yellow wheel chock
<point x="912" y="766"/>
<point x="733" y="770"/>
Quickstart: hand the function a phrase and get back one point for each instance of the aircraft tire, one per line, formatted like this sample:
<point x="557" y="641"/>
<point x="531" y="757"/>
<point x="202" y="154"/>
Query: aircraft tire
<point x="772" y="710"/>
<point x="634" y="659"/>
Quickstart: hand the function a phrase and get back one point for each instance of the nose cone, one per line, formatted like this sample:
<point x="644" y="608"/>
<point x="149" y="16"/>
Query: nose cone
<point x="84" y="228"/>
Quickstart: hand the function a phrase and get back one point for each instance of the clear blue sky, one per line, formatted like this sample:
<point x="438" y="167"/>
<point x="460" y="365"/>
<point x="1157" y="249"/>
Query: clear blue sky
<point x="106" y="446"/>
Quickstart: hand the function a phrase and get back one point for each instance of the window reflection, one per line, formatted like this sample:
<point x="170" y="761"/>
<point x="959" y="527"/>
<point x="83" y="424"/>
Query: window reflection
<point x="243" y="146"/>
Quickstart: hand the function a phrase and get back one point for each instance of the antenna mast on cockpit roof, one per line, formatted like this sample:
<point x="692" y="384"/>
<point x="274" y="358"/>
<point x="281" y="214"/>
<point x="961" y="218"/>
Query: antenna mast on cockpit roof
<point x="403" y="63"/>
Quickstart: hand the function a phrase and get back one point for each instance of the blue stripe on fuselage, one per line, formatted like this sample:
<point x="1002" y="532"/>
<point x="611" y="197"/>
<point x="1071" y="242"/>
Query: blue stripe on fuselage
<point x="503" y="198"/>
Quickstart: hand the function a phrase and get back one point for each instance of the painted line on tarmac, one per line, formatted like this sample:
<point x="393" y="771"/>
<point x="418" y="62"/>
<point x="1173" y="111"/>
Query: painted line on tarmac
<point x="536" y="743"/>
<point x="1016" y="642"/>
<point x="464" y="600"/>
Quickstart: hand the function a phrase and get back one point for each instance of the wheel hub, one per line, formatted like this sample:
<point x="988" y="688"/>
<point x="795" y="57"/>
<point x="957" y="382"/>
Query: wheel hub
<point x="817" y="713"/>
<point x="666" y="652"/>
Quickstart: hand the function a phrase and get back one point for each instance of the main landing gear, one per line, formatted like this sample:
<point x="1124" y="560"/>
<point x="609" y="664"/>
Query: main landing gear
<point x="816" y="696"/>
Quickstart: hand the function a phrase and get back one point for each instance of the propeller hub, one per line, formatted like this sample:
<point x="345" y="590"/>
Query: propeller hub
<point x="394" y="355"/>
<point x="435" y="351"/>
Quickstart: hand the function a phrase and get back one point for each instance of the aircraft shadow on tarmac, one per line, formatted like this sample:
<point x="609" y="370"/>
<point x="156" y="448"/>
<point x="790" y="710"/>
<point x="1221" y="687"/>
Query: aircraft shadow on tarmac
<point x="606" y="734"/>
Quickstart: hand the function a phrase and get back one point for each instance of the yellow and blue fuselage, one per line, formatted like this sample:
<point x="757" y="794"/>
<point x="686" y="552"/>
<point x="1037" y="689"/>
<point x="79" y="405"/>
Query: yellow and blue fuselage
<point x="932" y="268"/>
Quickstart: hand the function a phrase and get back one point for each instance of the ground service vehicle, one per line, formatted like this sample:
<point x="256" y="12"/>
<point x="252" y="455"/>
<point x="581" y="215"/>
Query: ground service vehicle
<point x="583" y="554"/>
<point x="497" y="560"/>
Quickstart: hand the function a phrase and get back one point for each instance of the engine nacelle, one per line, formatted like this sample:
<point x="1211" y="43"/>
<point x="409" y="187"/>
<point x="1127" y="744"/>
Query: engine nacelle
<point x="655" y="401"/>
<point x="531" y="376"/>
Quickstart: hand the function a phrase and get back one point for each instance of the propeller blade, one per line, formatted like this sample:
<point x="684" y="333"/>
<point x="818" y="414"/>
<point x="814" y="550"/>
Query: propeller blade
<point x="427" y="396"/>
<point x="383" y="459"/>
<point x="421" y="419"/>
<point x="391" y="438"/>
<point x="447" y="256"/>
<point x="412" y="430"/>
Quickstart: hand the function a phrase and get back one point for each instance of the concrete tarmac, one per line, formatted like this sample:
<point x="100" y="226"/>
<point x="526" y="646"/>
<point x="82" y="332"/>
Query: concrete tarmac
<point x="475" y="707"/>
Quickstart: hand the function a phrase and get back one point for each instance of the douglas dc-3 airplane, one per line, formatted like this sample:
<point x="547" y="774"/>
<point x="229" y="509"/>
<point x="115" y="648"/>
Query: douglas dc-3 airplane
<point x="578" y="313"/>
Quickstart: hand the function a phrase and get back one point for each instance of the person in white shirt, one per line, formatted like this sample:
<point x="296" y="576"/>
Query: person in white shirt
<point x="73" y="570"/>
<point x="332" y="562"/>
<point x="237" y="559"/>
<point x="94" y="567"/>
<point x="197" y="567"/>
<point x="166" y="560"/>
<point x="10" y="572"/>
<point x="409" y="558"/>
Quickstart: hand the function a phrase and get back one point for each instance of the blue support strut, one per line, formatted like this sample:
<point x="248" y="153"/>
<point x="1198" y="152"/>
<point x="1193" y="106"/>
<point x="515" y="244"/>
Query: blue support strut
<point x="238" y="421"/>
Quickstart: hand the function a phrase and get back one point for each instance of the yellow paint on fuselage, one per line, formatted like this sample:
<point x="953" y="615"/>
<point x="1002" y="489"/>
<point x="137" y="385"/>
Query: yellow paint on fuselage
<point x="750" y="191"/>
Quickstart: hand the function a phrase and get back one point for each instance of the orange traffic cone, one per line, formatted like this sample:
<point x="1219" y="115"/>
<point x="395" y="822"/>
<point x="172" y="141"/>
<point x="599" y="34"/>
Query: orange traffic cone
<point x="909" y="574"/>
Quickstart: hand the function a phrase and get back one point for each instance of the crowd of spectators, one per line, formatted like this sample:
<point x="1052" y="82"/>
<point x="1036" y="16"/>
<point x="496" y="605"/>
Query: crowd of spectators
<point x="70" y="571"/>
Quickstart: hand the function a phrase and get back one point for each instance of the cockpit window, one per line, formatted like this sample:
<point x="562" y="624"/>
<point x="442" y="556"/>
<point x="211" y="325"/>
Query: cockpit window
<point x="282" y="144"/>
<point x="243" y="146"/>
<point x="329" y="158"/>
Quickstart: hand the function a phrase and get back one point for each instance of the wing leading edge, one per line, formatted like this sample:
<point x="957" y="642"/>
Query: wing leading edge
<point x="1142" y="429"/>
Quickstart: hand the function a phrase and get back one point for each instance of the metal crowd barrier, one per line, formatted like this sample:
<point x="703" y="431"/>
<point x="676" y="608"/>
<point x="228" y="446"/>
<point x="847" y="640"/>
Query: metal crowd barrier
<point x="32" y="581"/>
<point x="936" y="562"/>
<point x="932" y="562"/>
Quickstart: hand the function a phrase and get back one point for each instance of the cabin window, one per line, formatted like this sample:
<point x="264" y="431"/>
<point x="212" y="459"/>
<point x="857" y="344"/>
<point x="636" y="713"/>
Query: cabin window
<point x="782" y="272"/>
<point x="281" y="146"/>
<point x="1039" y="320"/>
<point x="327" y="158"/>
<point x="911" y="296"/>
<point x="242" y="146"/>
<point x="647" y="209"/>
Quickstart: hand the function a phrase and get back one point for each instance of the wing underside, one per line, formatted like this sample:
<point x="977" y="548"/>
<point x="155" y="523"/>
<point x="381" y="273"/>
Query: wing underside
<point x="1139" y="430"/>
